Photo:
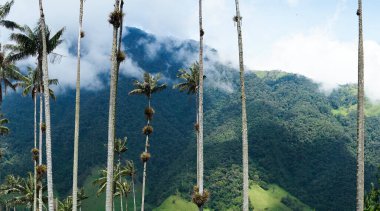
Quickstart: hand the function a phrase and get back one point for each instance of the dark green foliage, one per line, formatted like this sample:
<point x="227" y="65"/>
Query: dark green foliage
<point x="372" y="198"/>
<point x="295" y="140"/>
<point x="292" y="203"/>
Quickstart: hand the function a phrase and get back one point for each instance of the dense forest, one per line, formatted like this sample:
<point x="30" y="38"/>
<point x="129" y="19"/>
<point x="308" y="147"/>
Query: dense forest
<point x="303" y="138"/>
<point x="180" y="142"/>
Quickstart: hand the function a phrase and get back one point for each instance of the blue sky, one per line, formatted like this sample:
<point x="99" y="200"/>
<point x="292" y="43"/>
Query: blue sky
<point x="316" y="38"/>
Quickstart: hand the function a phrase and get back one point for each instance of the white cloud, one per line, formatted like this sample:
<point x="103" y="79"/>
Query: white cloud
<point x="293" y="2"/>
<point x="326" y="60"/>
<point x="301" y="48"/>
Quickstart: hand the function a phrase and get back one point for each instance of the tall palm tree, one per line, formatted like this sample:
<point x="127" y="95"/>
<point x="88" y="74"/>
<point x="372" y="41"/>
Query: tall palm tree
<point x="3" y="129"/>
<point x="115" y="19"/>
<point x="4" y="11"/>
<point x="199" y="190"/>
<point x="20" y="190"/>
<point x="120" y="148"/>
<point x="29" y="42"/>
<point x="8" y="74"/>
<point x="238" y="20"/>
<point x="77" y="110"/>
<point x="190" y="85"/>
<point x="45" y="74"/>
<point x="360" y="117"/>
<point x="130" y="170"/>
<point x="148" y="87"/>
<point x="117" y="185"/>
<point x="32" y="84"/>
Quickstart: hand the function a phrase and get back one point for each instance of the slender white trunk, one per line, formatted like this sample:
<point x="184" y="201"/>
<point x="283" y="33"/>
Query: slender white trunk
<point x="244" y="111"/>
<point x="200" y="108"/>
<point x="40" y="202"/>
<point x="197" y="134"/>
<point x="77" y="110"/>
<point x="111" y="119"/>
<point x="121" y="191"/>
<point x="35" y="161"/>
<point x="47" y="111"/>
<point x="144" y="174"/>
<point x="360" y="117"/>
<point x="134" y="195"/>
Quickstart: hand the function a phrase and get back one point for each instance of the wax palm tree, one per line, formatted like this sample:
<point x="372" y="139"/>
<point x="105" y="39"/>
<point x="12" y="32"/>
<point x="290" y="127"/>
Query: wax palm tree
<point x="101" y="182"/>
<point x="77" y="110"/>
<point x="120" y="148"/>
<point x="190" y="85"/>
<point x="45" y="74"/>
<point x="3" y="129"/>
<point x="20" y="190"/>
<point x="31" y="43"/>
<point x="8" y="74"/>
<point x="28" y="42"/>
<point x="360" y="116"/>
<point x="130" y="170"/>
<point x="124" y="188"/>
<point x="147" y="87"/>
<point x="200" y="196"/>
<point x="115" y="19"/>
<point x="4" y="11"/>
<point x="238" y="20"/>
<point x="66" y="204"/>
<point x="32" y="84"/>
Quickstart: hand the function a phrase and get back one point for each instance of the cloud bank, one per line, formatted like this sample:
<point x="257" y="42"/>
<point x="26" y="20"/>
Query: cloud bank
<point x="316" y="39"/>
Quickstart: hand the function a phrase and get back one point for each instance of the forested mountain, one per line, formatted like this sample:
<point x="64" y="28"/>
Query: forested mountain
<point x="299" y="137"/>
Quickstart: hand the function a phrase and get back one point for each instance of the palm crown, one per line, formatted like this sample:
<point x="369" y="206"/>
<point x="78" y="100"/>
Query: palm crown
<point x="32" y="84"/>
<point x="190" y="78"/>
<point x="149" y="86"/>
<point x="29" y="43"/>
<point x="4" y="11"/>
<point x="8" y="73"/>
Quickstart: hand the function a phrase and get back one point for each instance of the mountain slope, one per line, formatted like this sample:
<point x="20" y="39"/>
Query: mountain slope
<point x="295" y="141"/>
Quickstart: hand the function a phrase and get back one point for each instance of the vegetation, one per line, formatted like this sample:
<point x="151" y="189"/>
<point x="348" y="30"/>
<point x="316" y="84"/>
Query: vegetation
<point x="305" y="147"/>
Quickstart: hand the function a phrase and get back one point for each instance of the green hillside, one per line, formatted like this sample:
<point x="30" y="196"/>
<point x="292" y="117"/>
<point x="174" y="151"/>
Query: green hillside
<point x="295" y="141"/>
<point x="274" y="198"/>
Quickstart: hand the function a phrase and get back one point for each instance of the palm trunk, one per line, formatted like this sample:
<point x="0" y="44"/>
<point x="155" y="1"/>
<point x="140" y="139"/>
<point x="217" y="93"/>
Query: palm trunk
<point x="77" y="110"/>
<point x="40" y="202"/>
<point x="121" y="193"/>
<point x="360" y="118"/>
<point x="200" y="112"/>
<point x="111" y="119"/>
<point x="35" y="162"/>
<point x="145" y="163"/>
<point x="197" y="134"/>
<point x="47" y="111"/>
<point x="134" y="195"/>
<point x="244" y="111"/>
<point x="144" y="176"/>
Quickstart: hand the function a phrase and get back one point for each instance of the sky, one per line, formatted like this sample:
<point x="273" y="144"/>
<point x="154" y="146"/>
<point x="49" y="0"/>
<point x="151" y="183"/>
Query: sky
<point x="315" y="38"/>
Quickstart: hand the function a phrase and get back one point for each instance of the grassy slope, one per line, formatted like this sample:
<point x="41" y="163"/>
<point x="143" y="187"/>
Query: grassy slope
<point x="174" y="203"/>
<point x="271" y="199"/>
<point x="261" y="199"/>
